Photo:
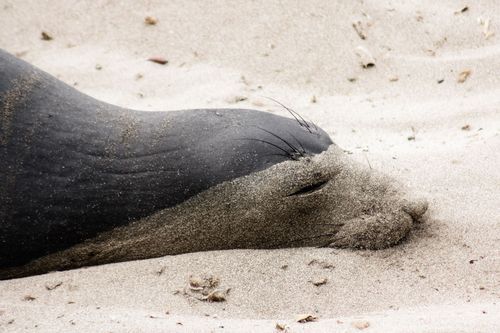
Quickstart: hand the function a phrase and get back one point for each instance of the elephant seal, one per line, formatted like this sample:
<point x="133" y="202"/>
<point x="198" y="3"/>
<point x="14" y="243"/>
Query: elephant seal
<point x="85" y="183"/>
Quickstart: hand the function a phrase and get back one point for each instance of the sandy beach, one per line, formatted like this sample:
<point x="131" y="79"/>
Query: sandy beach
<point x="410" y="88"/>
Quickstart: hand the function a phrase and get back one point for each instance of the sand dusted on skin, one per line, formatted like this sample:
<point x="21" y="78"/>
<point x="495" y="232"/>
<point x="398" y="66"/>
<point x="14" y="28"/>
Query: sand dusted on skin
<point x="354" y="207"/>
<point x="443" y="277"/>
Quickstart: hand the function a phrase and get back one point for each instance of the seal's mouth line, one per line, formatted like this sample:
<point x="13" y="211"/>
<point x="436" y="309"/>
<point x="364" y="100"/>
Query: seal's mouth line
<point x="310" y="188"/>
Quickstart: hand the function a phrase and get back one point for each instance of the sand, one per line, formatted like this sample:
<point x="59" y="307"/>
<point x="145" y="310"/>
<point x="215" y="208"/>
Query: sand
<point x="427" y="113"/>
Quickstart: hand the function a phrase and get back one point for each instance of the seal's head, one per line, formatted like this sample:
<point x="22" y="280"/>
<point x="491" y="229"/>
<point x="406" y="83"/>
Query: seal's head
<point x="324" y="199"/>
<point x="330" y="200"/>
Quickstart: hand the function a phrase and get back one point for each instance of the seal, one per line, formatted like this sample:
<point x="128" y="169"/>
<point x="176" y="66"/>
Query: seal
<point x="86" y="183"/>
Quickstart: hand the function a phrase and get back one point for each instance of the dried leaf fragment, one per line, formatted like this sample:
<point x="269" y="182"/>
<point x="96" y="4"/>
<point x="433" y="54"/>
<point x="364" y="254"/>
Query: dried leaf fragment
<point x="463" y="10"/>
<point x="196" y="281"/>
<point x="53" y="285"/>
<point x="319" y="282"/>
<point x="204" y="289"/>
<point x="305" y="318"/>
<point x="321" y="264"/>
<point x="366" y="58"/>
<point x="464" y="75"/>
<point x="280" y="327"/>
<point x="361" y="325"/>
<point x="236" y="99"/>
<point x="150" y="20"/>
<point x="431" y="52"/>
<point x="358" y="27"/>
<point x="216" y="296"/>
<point x="158" y="60"/>
<point x="487" y="32"/>
<point x="45" y="36"/>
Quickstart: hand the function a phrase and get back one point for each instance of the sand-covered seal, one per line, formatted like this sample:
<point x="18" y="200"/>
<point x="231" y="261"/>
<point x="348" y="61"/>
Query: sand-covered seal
<point x="84" y="183"/>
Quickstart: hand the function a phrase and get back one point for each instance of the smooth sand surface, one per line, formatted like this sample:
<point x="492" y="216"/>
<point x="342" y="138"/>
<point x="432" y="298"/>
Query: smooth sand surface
<point x="409" y="116"/>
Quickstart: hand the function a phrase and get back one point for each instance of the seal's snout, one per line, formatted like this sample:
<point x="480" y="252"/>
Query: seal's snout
<point x="416" y="208"/>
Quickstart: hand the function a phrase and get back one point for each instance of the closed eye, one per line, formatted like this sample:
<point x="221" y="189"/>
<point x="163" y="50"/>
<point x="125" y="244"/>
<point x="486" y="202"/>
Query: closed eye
<point x="310" y="188"/>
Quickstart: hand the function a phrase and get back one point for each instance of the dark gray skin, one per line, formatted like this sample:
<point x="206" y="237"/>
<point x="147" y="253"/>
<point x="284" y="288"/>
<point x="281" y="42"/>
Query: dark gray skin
<point x="72" y="167"/>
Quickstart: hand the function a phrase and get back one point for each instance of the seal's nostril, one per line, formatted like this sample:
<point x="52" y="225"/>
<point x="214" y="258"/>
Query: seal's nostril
<point x="415" y="208"/>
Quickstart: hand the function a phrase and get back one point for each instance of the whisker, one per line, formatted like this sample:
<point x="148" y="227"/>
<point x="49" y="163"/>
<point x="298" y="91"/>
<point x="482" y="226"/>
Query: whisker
<point x="293" y="113"/>
<point x="300" y="144"/>
<point x="272" y="144"/>
<point x="280" y="138"/>
<point x="315" y="127"/>
<point x="306" y="124"/>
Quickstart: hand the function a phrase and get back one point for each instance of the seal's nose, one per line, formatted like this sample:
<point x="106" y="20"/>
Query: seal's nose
<point x="416" y="208"/>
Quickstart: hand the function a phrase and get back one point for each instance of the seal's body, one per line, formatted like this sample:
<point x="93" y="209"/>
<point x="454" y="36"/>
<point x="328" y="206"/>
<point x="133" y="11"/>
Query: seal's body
<point x="83" y="182"/>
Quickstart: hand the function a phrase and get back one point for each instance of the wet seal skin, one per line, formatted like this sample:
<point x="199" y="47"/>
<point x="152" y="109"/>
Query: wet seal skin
<point x="87" y="183"/>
